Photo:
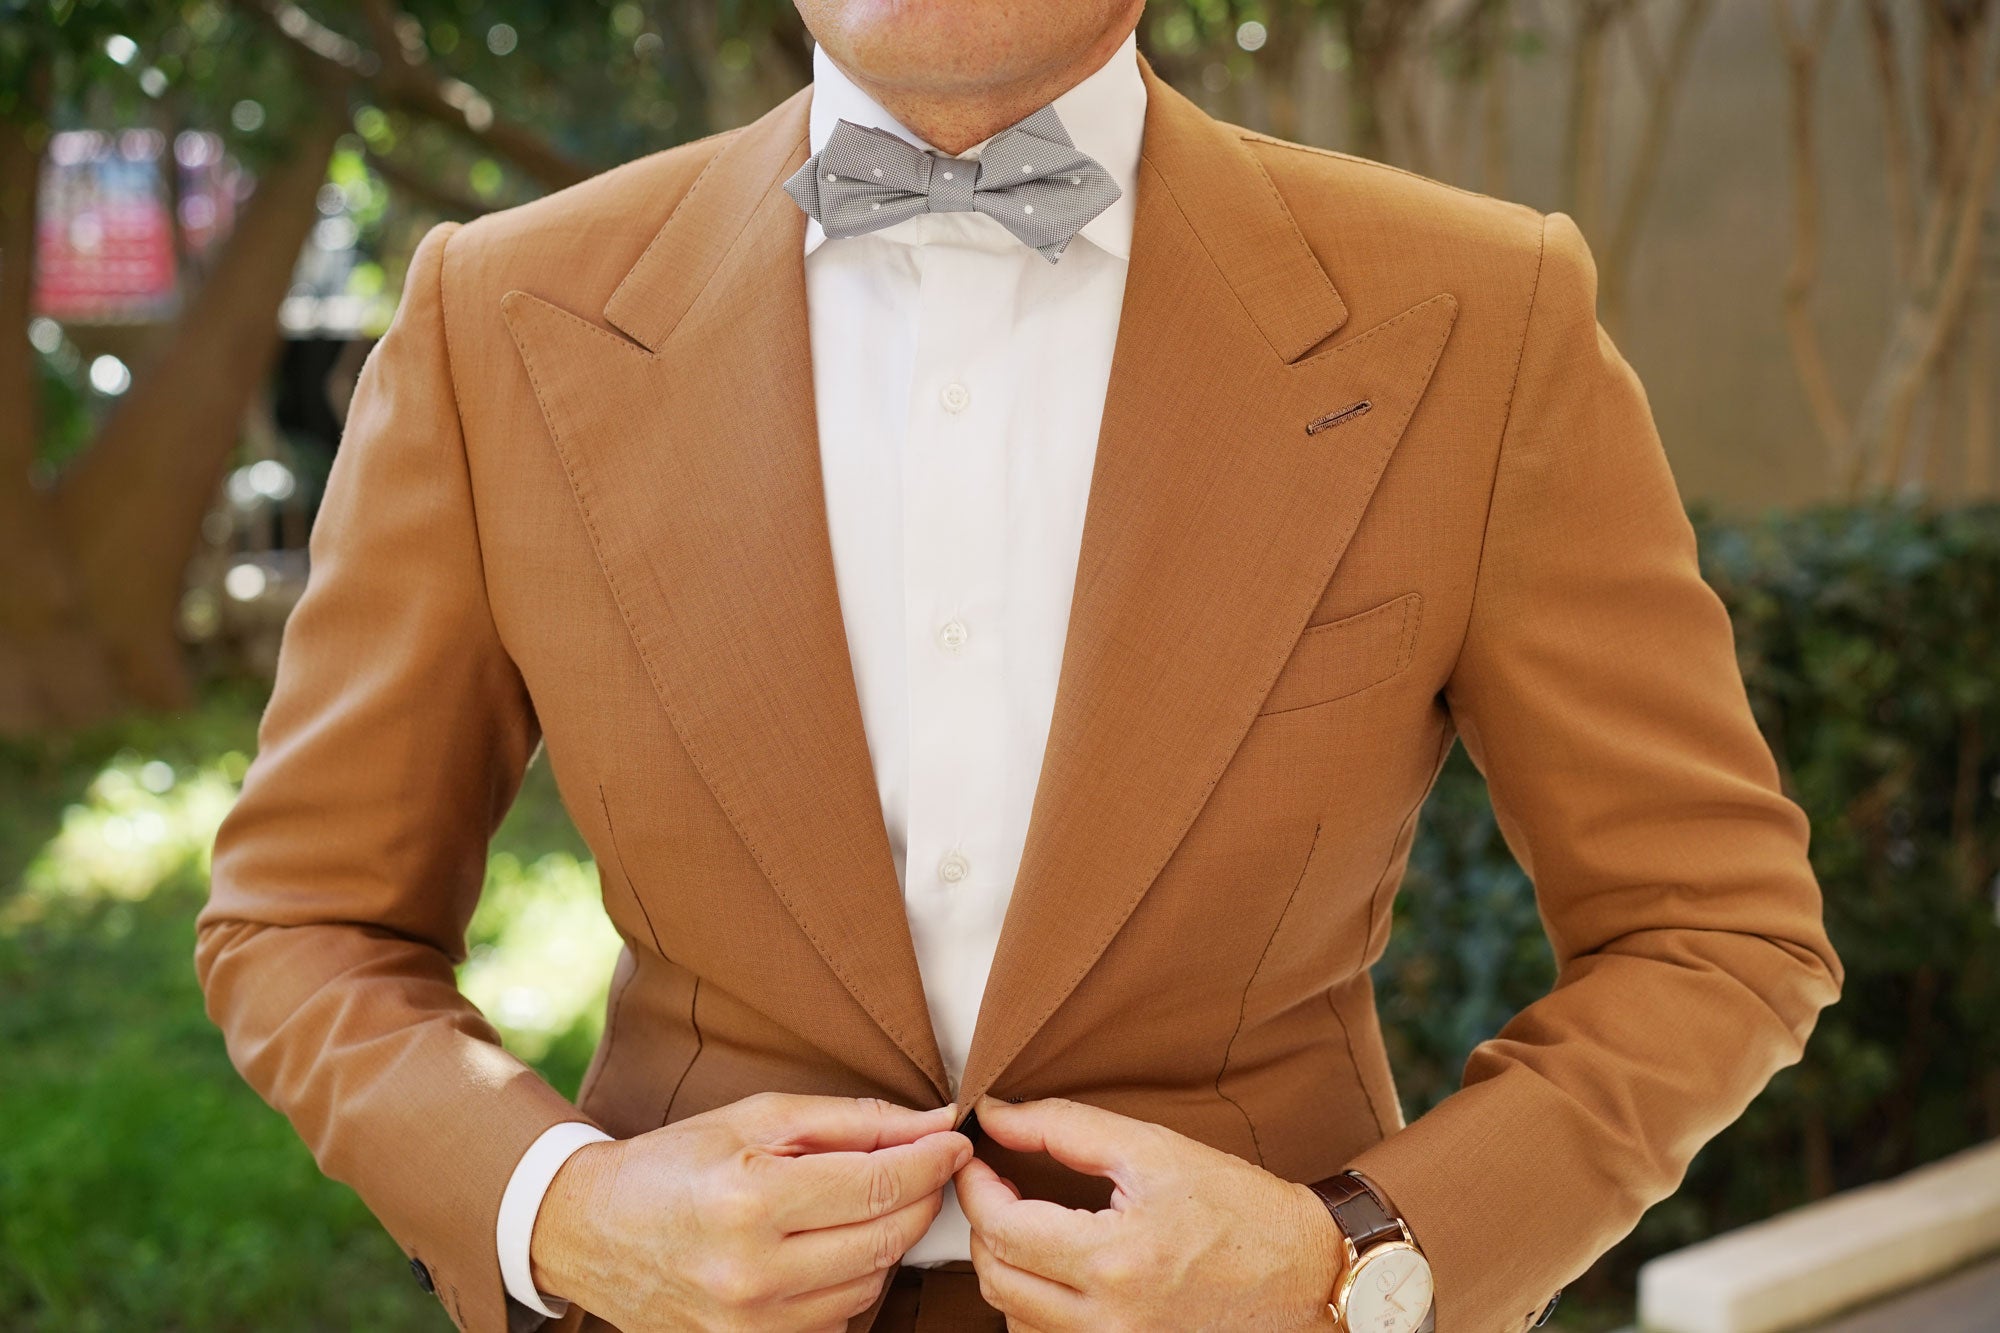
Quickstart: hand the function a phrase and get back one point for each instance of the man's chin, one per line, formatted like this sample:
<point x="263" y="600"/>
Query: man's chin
<point x="960" y="48"/>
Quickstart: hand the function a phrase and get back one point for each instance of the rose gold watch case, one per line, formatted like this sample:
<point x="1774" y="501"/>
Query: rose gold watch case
<point x="1357" y="1263"/>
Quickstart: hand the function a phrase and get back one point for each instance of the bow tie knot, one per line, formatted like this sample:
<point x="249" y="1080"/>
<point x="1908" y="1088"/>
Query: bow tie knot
<point x="1030" y="179"/>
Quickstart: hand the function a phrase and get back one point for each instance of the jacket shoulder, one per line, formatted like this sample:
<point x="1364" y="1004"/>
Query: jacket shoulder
<point x="574" y="246"/>
<point x="1391" y="237"/>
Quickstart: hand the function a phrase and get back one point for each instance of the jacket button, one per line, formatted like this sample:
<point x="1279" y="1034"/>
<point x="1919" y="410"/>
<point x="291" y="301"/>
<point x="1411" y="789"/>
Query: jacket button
<point x="422" y="1275"/>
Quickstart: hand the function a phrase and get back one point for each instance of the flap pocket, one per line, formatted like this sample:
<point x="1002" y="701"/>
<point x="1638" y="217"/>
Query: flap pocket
<point x="1341" y="657"/>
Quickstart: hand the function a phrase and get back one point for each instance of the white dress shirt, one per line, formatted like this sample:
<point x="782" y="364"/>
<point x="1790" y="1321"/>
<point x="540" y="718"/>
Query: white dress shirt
<point x="959" y="381"/>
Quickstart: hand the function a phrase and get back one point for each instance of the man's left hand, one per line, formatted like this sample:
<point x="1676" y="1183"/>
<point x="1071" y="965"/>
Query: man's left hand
<point x="1194" y="1237"/>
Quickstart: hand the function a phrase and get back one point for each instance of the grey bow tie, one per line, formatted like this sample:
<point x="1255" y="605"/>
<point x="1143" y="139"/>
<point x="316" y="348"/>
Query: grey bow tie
<point x="1030" y="179"/>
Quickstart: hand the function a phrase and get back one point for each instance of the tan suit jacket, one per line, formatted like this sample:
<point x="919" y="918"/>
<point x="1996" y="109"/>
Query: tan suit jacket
<point x="1370" y="479"/>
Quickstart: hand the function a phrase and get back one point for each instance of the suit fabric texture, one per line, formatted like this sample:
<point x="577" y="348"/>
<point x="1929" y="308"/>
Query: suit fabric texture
<point x="1370" y="480"/>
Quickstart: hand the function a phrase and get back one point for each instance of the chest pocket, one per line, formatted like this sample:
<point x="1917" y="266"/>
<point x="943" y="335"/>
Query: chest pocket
<point x="1341" y="657"/>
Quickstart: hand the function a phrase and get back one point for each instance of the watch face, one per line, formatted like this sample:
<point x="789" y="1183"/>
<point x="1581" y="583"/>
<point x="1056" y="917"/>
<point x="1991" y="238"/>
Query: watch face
<point x="1391" y="1292"/>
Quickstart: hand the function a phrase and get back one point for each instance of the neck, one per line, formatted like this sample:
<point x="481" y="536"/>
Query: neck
<point x="954" y="121"/>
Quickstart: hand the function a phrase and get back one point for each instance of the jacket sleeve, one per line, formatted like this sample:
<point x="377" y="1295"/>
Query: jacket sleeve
<point x="395" y="740"/>
<point x="1598" y="692"/>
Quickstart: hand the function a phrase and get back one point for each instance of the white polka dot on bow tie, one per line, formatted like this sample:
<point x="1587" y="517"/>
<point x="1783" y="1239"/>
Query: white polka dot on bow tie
<point x="875" y="208"/>
<point x="1026" y="168"/>
<point x="1076" y="180"/>
<point x="878" y="171"/>
<point x="830" y="176"/>
<point x="1027" y="208"/>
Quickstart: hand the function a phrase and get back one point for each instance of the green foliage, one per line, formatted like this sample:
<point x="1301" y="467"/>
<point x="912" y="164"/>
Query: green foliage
<point x="66" y="417"/>
<point x="1870" y="641"/>
<point x="1467" y="949"/>
<point x="143" y="1186"/>
<point x="542" y="952"/>
<point x="116" y="63"/>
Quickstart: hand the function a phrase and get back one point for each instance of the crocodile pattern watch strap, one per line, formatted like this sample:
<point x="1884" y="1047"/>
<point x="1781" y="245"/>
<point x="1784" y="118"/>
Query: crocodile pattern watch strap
<point x="1359" y="1214"/>
<point x="1365" y="1219"/>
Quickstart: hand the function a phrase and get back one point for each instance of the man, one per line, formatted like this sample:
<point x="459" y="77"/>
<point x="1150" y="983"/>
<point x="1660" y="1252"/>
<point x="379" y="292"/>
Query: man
<point x="996" y="559"/>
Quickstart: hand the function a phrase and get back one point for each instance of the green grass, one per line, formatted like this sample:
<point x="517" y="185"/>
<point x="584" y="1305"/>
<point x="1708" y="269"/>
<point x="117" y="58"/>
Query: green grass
<point x="143" y="1186"/>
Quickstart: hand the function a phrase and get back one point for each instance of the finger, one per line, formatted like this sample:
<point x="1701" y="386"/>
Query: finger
<point x="810" y="1260"/>
<point x="1028" y="1299"/>
<point x="990" y="1186"/>
<point x="831" y="1307"/>
<point x="1031" y="1234"/>
<point x="831" y="1189"/>
<point x="801" y="1123"/>
<point x="1083" y="1138"/>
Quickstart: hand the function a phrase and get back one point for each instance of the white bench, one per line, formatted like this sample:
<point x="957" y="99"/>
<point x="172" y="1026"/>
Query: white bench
<point x="1801" y="1267"/>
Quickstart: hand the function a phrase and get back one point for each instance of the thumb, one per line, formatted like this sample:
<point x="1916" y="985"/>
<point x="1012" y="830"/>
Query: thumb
<point x="1083" y="1138"/>
<point x="805" y="1123"/>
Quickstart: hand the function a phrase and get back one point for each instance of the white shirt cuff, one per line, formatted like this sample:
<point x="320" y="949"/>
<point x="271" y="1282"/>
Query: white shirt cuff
<point x="523" y="1200"/>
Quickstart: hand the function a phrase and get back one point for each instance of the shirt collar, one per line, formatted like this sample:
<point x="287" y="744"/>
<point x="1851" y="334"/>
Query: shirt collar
<point x="1105" y="116"/>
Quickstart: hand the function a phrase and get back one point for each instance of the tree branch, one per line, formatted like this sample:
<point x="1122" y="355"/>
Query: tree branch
<point x="1583" y="158"/>
<point x="1802" y="54"/>
<point x="406" y="80"/>
<point x="1667" y="78"/>
<point x="1933" y="315"/>
<point x="442" y="199"/>
<point x="1895" y="138"/>
<point x="23" y="138"/>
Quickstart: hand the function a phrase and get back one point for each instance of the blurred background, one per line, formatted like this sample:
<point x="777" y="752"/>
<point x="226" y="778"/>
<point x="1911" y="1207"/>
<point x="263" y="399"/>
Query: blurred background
<point x="206" y="208"/>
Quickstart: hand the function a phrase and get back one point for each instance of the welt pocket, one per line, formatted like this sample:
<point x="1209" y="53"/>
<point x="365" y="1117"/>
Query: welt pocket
<point x="1337" y="658"/>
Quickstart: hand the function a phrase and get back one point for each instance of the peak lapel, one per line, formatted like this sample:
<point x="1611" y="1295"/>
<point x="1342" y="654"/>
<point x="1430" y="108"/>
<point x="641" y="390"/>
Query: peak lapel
<point x="694" y="456"/>
<point x="1214" y="523"/>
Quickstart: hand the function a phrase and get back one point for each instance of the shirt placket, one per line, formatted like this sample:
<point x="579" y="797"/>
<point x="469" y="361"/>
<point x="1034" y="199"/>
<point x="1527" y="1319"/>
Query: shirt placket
<point x="954" y="580"/>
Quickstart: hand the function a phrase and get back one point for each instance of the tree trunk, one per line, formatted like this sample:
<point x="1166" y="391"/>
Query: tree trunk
<point x="1931" y="314"/>
<point x="130" y="509"/>
<point x="1496" y="136"/>
<point x="1583" y="150"/>
<point x="1374" y="37"/>
<point x="52" y="669"/>
<point x="1887" y="63"/>
<point x="21" y="143"/>
<point x="1365" y="128"/>
<point x="1803" y="47"/>
<point x="1615" y="268"/>
<point x="1976" y="471"/>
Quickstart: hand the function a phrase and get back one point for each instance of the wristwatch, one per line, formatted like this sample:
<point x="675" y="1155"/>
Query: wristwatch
<point x="1385" y="1283"/>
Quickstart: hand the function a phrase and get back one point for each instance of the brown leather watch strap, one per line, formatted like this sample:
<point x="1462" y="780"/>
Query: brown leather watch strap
<point x="1357" y="1210"/>
<point x="1365" y="1218"/>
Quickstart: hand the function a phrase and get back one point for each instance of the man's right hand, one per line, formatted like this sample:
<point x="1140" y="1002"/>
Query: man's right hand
<point x="780" y="1213"/>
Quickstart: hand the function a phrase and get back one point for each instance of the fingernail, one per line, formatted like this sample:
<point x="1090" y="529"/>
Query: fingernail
<point x="951" y="1109"/>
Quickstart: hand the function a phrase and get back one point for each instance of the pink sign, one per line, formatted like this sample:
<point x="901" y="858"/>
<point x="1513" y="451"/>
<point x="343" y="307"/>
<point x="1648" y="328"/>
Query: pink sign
<point x="107" y="248"/>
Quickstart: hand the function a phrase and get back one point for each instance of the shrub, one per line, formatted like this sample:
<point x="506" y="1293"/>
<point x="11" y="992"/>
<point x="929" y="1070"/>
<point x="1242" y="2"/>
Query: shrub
<point x="1870" y="641"/>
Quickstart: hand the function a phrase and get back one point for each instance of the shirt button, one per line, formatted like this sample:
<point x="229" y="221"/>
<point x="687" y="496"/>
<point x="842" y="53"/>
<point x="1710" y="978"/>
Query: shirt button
<point x="953" y="868"/>
<point x="951" y="635"/>
<point x="956" y="397"/>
